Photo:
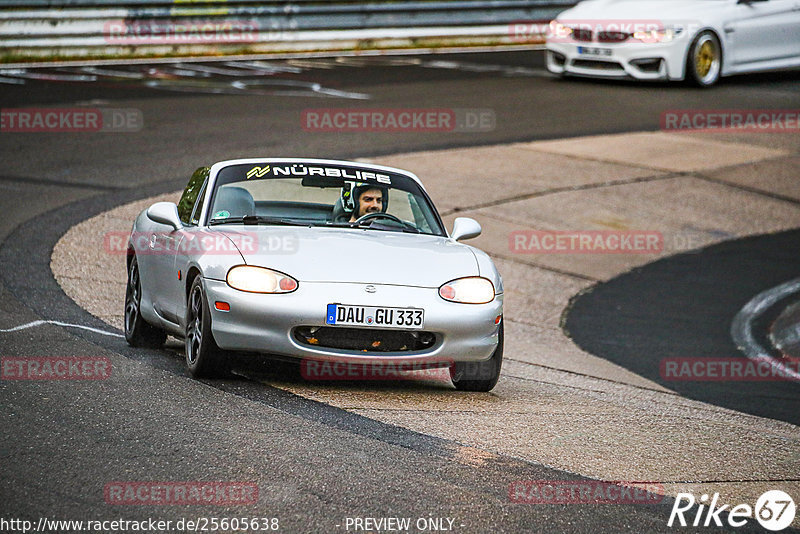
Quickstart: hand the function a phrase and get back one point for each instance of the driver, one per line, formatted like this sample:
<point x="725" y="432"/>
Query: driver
<point x="367" y="198"/>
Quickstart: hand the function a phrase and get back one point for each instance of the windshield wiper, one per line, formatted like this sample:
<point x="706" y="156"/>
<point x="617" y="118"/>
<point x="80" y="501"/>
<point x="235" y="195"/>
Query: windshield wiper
<point x="256" y="219"/>
<point x="406" y="227"/>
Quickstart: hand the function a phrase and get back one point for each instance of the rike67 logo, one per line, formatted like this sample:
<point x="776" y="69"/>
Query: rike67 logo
<point x="774" y="510"/>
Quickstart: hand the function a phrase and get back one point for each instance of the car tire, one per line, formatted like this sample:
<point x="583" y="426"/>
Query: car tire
<point x="138" y="333"/>
<point x="479" y="376"/>
<point x="204" y="359"/>
<point x="704" y="60"/>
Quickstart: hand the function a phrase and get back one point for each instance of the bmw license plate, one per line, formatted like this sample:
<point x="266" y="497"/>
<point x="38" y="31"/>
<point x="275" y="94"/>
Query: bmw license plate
<point x="373" y="316"/>
<point x="589" y="51"/>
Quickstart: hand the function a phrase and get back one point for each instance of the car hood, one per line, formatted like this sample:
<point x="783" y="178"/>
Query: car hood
<point x="667" y="11"/>
<point x="357" y="255"/>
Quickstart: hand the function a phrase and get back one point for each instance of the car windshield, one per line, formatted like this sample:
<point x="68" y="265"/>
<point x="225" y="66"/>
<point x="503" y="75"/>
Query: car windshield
<point x="321" y="194"/>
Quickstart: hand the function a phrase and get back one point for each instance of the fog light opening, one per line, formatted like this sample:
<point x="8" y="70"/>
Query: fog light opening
<point x="558" y="59"/>
<point x="651" y="65"/>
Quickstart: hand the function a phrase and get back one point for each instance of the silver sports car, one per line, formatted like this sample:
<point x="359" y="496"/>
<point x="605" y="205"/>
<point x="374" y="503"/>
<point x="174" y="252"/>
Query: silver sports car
<point x="317" y="260"/>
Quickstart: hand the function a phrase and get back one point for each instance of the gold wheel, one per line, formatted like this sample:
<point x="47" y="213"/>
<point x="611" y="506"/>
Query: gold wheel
<point x="705" y="59"/>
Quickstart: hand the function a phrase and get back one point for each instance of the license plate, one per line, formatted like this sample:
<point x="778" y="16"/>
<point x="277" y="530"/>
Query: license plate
<point x="588" y="51"/>
<point x="375" y="317"/>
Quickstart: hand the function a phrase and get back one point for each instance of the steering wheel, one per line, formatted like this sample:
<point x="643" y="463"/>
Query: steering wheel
<point x="376" y="215"/>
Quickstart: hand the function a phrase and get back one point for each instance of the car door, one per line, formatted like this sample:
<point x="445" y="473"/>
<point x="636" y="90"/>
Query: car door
<point x="144" y="241"/>
<point x="161" y="249"/>
<point x="186" y="252"/>
<point x="168" y="285"/>
<point x="763" y="31"/>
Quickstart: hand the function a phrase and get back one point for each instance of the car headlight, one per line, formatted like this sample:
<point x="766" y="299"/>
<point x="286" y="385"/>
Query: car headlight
<point x="663" y="35"/>
<point x="260" y="280"/>
<point x="558" y="30"/>
<point x="472" y="290"/>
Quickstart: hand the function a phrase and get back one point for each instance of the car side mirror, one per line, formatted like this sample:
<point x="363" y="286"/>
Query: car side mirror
<point x="165" y="213"/>
<point x="465" y="228"/>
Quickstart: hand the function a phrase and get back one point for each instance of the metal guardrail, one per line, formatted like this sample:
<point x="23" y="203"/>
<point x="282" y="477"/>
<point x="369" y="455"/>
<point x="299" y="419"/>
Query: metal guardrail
<point x="92" y="28"/>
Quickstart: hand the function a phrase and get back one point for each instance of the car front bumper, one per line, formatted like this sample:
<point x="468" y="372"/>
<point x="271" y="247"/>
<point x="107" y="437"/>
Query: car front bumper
<point x="640" y="61"/>
<point x="266" y="323"/>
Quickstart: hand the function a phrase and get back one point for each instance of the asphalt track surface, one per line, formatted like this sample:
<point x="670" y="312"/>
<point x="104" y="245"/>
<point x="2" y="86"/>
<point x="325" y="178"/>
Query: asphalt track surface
<point x="315" y="464"/>
<point x="684" y="305"/>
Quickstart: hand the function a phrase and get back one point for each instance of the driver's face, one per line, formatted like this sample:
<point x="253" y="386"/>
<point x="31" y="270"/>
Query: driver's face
<point x="371" y="201"/>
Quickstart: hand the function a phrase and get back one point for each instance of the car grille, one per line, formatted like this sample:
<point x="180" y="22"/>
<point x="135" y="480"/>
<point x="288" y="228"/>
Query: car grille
<point x="612" y="37"/>
<point x="582" y="35"/>
<point x="364" y="339"/>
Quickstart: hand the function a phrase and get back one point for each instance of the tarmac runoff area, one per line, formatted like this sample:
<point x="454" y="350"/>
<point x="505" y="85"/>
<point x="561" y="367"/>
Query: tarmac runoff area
<point x="555" y="404"/>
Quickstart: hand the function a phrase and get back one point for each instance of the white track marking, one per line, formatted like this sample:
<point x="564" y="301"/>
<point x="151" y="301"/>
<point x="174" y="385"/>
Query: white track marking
<point x="373" y="61"/>
<point x="112" y="73"/>
<point x="184" y="72"/>
<point x="742" y="325"/>
<point x="324" y="64"/>
<point x="258" y="68"/>
<point x="33" y="324"/>
<point x="262" y="67"/>
<point x="290" y="55"/>
<point x="303" y="88"/>
<point x="342" y="94"/>
<point x="52" y="77"/>
<point x="208" y="87"/>
<point x="505" y="70"/>
<point x="219" y="71"/>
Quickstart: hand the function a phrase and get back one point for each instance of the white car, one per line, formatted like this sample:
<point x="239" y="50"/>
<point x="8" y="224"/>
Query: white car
<point x="694" y="40"/>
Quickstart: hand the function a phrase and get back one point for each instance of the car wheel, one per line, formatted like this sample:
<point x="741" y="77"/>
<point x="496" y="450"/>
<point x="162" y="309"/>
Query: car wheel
<point x="204" y="358"/>
<point x="138" y="333"/>
<point x="479" y="376"/>
<point x="704" y="61"/>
